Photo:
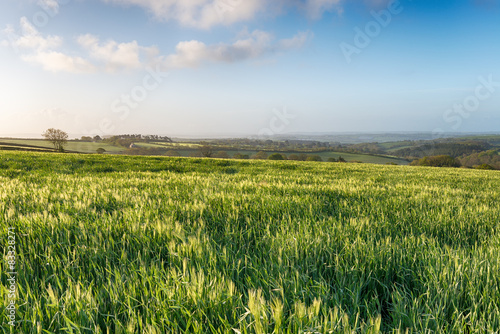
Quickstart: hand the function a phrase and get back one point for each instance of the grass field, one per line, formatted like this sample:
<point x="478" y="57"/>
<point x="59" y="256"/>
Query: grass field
<point x="365" y="158"/>
<point x="186" y="149"/>
<point x="118" y="244"/>
<point x="83" y="147"/>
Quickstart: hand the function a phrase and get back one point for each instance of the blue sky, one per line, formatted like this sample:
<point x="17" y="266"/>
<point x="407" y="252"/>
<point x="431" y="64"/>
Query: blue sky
<point x="248" y="67"/>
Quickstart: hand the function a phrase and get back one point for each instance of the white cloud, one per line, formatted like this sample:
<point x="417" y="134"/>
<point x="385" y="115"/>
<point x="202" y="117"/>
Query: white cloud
<point x="49" y="5"/>
<point x="38" y="49"/>
<point x="116" y="56"/>
<point x="257" y="44"/>
<point x="31" y="38"/>
<point x="208" y="13"/>
<point x="296" y="41"/>
<point x="54" y="61"/>
<point x="200" y="13"/>
<point x="112" y="56"/>
<point x="315" y="8"/>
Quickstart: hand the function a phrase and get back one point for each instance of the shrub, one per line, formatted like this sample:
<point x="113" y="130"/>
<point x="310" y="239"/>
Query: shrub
<point x="260" y="155"/>
<point x="221" y="155"/>
<point x="314" y="158"/>
<point x="241" y="156"/>
<point x="484" y="166"/>
<point x="276" y="156"/>
<point x="437" y="161"/>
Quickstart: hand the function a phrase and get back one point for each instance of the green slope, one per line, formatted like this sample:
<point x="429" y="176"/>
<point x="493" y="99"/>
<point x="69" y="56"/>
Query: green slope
<point x="176" y="245"/>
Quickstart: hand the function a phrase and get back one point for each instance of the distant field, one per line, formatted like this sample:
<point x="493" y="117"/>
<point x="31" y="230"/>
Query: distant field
<point x="187" y="149"/>
<point x="121" y="244"/>
<point x="84" y="147"/>
<point x="173" y="146"/>
<point x="365" y="158"/>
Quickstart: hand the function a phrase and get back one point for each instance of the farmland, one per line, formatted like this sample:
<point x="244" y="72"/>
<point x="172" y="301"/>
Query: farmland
<point x="187" y="149"/>
<point x="121" y="244"/>
<point x="83" y="147"/>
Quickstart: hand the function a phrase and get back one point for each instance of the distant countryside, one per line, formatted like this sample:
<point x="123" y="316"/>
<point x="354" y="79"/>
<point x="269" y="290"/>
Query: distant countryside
<point x="474" y="151"/>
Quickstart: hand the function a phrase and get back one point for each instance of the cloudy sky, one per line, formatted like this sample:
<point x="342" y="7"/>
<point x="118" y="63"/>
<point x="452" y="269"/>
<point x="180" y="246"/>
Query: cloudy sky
<point x="248" y="67"/>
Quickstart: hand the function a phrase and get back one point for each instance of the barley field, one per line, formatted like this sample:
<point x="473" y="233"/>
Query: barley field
<point x="117" y="244"/>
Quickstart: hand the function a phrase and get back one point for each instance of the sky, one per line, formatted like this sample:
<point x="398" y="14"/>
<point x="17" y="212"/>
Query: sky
<point x="199" y="68"/>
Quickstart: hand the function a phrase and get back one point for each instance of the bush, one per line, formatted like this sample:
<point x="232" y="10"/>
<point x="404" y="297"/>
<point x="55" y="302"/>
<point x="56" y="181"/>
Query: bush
<point x="314" y="158"/>
<point x="484" y="166"/>
<point x="221" y="155"/>
<point x="276" y="156"/>
<point x="437" y="161"/>
<point x="241" y="156"/>
<point x="331" y="159"/>
<point x="100" y="150"/>
<point x="260" y="155"/>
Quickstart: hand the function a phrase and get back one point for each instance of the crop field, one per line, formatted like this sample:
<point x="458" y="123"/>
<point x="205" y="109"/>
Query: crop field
<point x="364" y="158"/>
<point x="83" y="147"/>
<point x="120" y="244"/>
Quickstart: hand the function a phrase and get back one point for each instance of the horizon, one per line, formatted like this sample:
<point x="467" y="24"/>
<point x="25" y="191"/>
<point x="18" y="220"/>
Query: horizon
<point x="284" y="136"/>
<point x="233" y="68"/>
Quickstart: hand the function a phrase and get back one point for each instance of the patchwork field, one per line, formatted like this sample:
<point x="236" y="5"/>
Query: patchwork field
<point x="188" y="149"/>
<point x="119" y="244"/>
<point x="83" y="147"/>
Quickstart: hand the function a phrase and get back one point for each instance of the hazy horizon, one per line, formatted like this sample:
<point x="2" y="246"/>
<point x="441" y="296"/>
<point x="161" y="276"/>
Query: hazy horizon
<point x="219" y="68"/>
<point x="299" y="135"/>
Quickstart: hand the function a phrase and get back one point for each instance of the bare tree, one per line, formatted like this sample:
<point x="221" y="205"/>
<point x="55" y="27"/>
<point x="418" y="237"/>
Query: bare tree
<point x="206" y="150"/>
<point x="57" y="137"/>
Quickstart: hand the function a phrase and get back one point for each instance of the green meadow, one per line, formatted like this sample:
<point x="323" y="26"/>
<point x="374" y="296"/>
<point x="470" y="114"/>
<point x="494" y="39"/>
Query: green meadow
<point x="79" y="146"/>
<point x="121" y="244"/>
<point x="187" y="149"/>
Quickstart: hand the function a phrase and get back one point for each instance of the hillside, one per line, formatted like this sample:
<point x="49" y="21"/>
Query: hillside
<point x="152" y="244"/>
<point x="190" y="149"/>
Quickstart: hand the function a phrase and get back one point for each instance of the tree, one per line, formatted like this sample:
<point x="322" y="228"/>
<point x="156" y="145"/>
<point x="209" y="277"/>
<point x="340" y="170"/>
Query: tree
<point x="240" y="156"/>
<point x="437" y="161"/>
<point x="221" y="155"/>
<point x="341" y="159"/>
<point x="57" y="137"/>
<point x="207" y="151"/>
<point x="100" y="150"/>
<point x="260" y="155"/>
<point x="276" y="156"/>
<point x="332" y="159"/>
<point x="484" y="166"/>
<point x="314" y="158"/>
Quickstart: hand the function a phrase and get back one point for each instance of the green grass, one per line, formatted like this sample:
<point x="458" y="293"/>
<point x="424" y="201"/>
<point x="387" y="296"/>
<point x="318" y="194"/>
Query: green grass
<point x="186" y="149"/>
<point x="118" y="244"/>
<point x="365" y="158"/>
<point x="83" y="147"/>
